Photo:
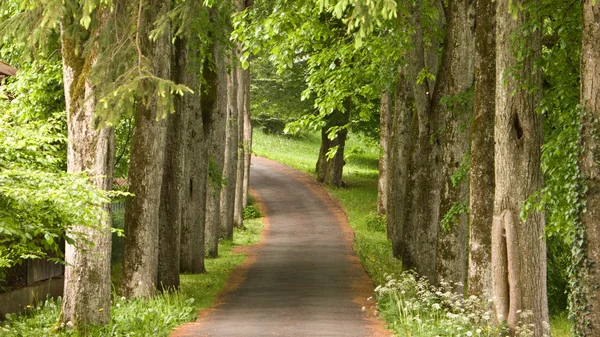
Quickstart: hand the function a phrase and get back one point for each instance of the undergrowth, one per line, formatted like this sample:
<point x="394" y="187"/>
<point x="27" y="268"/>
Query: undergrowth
<point x="144" y="317"/>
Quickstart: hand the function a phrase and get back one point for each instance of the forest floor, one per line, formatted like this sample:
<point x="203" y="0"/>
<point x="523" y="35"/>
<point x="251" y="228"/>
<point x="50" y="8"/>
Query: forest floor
<point x="303" y="279"/>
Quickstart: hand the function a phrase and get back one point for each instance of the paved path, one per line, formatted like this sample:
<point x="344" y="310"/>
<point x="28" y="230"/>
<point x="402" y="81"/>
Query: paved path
<point x="303" y="279"/>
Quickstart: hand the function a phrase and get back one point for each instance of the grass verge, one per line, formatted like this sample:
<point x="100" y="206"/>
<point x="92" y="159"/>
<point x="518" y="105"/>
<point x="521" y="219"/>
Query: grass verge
<point x="141" y="317"/>
<point x="409" y="306"/>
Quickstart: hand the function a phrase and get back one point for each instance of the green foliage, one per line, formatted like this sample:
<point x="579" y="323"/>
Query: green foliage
<point x="251" y="212"/>
<point x="376" y="223"/>
<point x="138" y="317"/>
<point x="338" y="74"/>
<point x="276" y="97"/>
<point x="215" y="175"/>
<point x="39" y="201"/>
<point x="451" y="217"/>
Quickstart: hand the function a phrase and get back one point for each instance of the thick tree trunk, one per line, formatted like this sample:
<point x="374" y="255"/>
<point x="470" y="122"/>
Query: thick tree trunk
<point x="403" y="120"/>
<point x="231" y="156"/>
<point x="247" y="138"/>
<point x="87" y="271"/>
<point x="140" y="257"/>
<point x="420" y="228"/>
<point x="481" y="201"/>
<point x="455" y="79"/>
<point x="243" y="83"/>
<point x="247" y="134"/>
<point x="586" y="300"/>
<point x="384" y="155"/>
<point x="196" y="167"/>
<point x="238" y="207"/>
<point x="214" y="102"/>
<point x="173" y="184"/>
<point x="330" y="171"/>
<point x="518" y="247"/>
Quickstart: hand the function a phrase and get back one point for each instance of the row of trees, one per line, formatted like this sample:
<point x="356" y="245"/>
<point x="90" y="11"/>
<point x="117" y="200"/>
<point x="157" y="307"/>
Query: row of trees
<point x="171" y="68"/>
<point x="488" y="151"/>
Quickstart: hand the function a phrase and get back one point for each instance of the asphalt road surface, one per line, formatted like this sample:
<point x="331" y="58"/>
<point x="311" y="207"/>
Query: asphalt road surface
<point x="303" y="278"/>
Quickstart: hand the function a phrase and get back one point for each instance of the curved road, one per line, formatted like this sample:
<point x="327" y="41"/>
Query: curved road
<point x="303" y="279"/>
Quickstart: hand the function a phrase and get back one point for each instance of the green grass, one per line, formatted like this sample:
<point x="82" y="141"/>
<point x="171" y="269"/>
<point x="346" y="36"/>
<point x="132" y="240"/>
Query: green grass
<point x="203" y="288"/>
<point x="370" y="243"/>
<point x="141" y="317"/>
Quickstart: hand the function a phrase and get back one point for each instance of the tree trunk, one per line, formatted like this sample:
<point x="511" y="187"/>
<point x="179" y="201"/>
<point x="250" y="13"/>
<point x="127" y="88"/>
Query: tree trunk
<point x="173" y="184"/>
<point x="196" y="166"/>
<point x="214" y="102"/>
<point x="384" y="142"/>
<point x="420" y="226"/>
<point x="481" y="201"/>
<point x="247" y="138"/>
<point x="231" y="156"/>
<point x="87" y="271"/>
<point x="454" y="105"/>
<point x="399" y="161"/>
<point x="330" y="171"/>
<point x="238" y="207"/>
<point x="242" y="84"/>
<point x="518" y="247"/>
<point x="140" y="257"/>
<point x="586" y="301"/>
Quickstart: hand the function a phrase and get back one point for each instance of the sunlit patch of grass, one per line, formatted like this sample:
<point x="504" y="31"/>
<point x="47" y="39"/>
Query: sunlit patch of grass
<point x="560" y="325"/>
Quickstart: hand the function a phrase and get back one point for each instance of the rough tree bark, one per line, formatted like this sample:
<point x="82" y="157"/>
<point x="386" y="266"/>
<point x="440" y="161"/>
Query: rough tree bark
<point x="90" y="148"/>
<point x="214" y="103"/>
<point x="481" y="201"/>
<point x="140" y="257"/>
<point x="455" y="79"/>
<point x="403" y="119"/>
<point x="173" y="182"/>
<point x="243" y="84"/>
<point x="384" y="155"/>
<point x="230" y="162"/>
<point x="421" y="207"/>
<point x="585" y="297"/>
<point x="330" y="171"/>
<point x="247" y="136"/>
<point x="196" y="165"/>
<point x="518" y="247"/>
<point x="247" y="139"/>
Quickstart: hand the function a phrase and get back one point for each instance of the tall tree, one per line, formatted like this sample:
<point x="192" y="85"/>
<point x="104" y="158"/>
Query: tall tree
<point x="214" y="103"/>
<point x="384" y="143"/>
<point x="455" y="79"/>
<point x="230" y="162"/>
<point x="420" y="208"/>
<point x="172" y="200"/>
<point x="247" y="134"/>
<point x="587" y="243"/>
<point x="91" y="147"/>
<point x="518" y="246"/>
<point x="481" y="200"/>
<point x="140" y="257"/>
<point x="330" y="164"/>
<point x="403" y="120"/>
<point x="196" y="162"/>
<point x="244" y="135"/>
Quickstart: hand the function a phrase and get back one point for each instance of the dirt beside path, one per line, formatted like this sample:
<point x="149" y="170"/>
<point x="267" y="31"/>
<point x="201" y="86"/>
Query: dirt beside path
<point x="303" y="279"/>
